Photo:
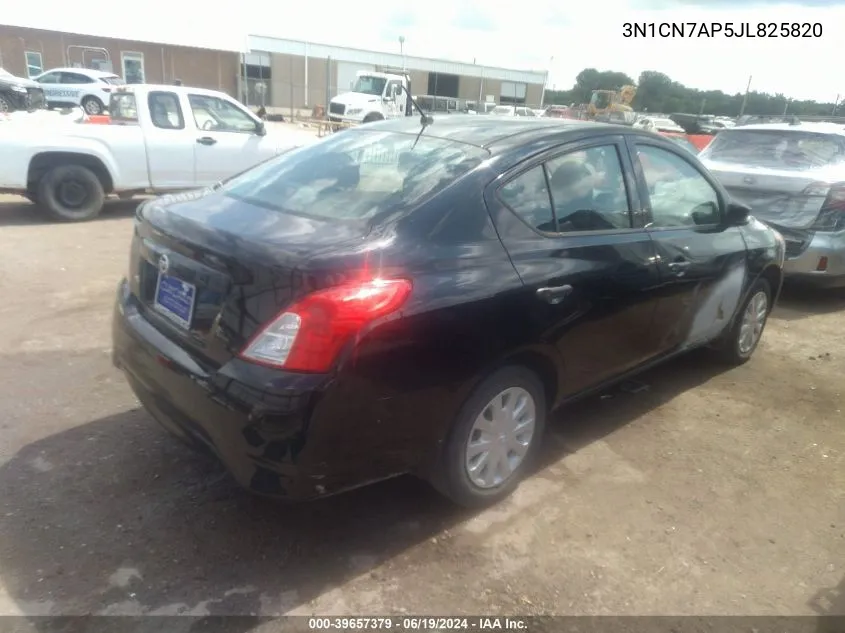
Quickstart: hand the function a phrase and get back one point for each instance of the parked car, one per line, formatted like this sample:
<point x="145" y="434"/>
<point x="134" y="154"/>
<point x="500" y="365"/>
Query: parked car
<point x="506" y="110"/>
<point x="658" y="125"/>
<point x="18" y="94"/>
<point x="159" y="139"/>
<point x="90" y="89"/>
<point x="793" y="178"/>
<point x="394" y="300"/>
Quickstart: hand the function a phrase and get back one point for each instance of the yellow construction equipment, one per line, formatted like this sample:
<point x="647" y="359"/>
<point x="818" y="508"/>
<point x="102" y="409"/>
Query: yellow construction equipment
<point x="606" y="101"/>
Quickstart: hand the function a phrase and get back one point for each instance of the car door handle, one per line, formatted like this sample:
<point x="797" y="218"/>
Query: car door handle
<point x="678" y="266"/>
<point x="554" y="294"/>
<point x="206" y="140"/>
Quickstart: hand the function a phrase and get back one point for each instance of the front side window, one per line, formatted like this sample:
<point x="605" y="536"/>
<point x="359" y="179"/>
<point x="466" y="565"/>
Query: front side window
<point x="588" y="190"/>
<point x="680" y="195"/>
<point x="49" y="78"/>
<point x="356" y="175"/>
<point x="219" y="115"/>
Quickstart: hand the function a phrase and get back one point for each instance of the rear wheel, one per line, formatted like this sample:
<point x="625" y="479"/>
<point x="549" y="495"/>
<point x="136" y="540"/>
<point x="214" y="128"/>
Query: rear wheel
<point x="493" y="440"/>
<point x="92" y="105"/>
<point x="71" y="193"/>
<point x="5" y="105"/>
<point x="741" y="340"/>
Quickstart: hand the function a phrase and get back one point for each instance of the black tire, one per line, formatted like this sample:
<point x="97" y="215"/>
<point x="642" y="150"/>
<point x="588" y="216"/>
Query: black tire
<point x="450" y="476"/>
<point x="56" y="202"/>
<point x="92" y="105"/>
<point x="5" y="105"/>
<point x="729" y="348"/>
<point x="372" y="117"/>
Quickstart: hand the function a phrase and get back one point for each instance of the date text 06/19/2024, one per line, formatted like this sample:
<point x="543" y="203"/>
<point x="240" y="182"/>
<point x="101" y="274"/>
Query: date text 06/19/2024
<point x="722" y="29"/>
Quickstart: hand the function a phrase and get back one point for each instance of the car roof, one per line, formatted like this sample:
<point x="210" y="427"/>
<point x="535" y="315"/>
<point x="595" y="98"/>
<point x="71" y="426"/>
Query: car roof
<point x="82" y="71"/>
<point x="818" y="127"/>
<point x="486" y="132"/>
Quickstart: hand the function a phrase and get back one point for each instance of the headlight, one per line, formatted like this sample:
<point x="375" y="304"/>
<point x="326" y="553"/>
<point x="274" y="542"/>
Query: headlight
<point x="354" y="111"/>
<point x="18" y="89"/>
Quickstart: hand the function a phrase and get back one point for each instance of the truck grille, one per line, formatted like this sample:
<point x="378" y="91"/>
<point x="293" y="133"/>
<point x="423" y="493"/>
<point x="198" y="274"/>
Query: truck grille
<point x="337" y="108"/>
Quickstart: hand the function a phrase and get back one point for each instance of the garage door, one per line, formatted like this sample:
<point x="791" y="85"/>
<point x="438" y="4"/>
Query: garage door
<point x="512" y="93"/>
<point x="347" y="72"/>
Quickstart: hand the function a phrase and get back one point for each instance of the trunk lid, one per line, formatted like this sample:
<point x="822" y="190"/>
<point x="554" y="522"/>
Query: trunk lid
<point x="209" y="270"/>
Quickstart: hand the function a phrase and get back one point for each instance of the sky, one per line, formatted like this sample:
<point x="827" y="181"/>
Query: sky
<point x="536" y="34"/>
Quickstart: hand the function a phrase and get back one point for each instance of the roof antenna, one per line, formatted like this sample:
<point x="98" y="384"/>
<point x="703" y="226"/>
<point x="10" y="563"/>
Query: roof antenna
<point x="425" y="120"/>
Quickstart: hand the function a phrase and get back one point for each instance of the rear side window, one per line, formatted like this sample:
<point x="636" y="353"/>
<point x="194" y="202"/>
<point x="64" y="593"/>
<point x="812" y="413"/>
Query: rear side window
<point x="356" y="175"/>
<point x="165" y="111"/>
<point x="528" y="196"/>
<point x="780" y="149"/>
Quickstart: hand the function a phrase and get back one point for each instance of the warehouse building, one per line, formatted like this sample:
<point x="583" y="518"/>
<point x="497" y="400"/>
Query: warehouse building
<point x="285" y="73"/>
<point x="266" y="71"/>
<point x="27" y="52"/>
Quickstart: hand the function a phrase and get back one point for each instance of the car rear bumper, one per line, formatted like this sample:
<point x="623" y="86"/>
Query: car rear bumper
<point x="821" y="262"/>
<point x="279" y="434"/>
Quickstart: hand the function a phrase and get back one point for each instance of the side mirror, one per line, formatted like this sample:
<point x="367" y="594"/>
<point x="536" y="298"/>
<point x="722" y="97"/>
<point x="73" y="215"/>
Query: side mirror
<point x="260" y="129"/>
<point x="737" y="213"/>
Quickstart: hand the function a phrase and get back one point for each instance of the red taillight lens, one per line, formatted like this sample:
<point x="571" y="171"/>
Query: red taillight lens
<point x="309" y="335"/>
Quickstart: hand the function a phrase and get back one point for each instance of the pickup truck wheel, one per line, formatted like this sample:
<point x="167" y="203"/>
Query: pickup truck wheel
<point x="71" y="193"/>
<point x="5" y="106"/>
<point x="92" y="105"/>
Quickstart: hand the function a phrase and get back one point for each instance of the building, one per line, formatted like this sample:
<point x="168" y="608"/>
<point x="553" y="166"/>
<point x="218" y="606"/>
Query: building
<point x="265" y="71"/>
<point x="27" y="52"/>
<point x="304" y="74"/>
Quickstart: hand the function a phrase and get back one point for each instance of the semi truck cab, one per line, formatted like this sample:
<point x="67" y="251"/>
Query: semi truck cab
<point x="375" y="96"/>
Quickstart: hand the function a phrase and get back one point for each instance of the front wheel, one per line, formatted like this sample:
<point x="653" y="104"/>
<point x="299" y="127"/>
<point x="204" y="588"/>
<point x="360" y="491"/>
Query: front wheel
<point x="372" y="117"/>
<point x="493" y="440"/>
<point x="742" y="339"/>
<point x="71" y="193"/>
<point x="92" y="105"/>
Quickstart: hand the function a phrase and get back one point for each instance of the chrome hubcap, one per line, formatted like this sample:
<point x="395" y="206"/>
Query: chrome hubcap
<point x="753" y="321"/>
<point x="500" y="437"/>
<point x="92" y="107"/>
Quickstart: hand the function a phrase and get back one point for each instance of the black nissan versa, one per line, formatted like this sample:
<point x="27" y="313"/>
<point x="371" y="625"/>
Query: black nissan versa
<point x="400" y="298"/>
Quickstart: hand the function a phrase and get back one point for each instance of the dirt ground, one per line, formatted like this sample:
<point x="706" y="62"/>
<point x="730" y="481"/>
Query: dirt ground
<point x="712" y="492"/>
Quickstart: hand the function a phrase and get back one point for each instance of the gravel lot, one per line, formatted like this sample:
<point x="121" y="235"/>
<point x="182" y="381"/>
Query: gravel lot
<point x="712" y="492"/>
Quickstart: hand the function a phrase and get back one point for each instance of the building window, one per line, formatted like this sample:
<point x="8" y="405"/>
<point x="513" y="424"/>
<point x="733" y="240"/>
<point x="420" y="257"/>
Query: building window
<point x="34" y="65"/>
<point x="133" y="67"/>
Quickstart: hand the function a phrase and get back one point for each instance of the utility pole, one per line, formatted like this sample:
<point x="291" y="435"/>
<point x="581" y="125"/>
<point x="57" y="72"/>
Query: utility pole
<point x="835" y="105"/>
<point x="786" y="106"/>
<point x="745" y="98"/>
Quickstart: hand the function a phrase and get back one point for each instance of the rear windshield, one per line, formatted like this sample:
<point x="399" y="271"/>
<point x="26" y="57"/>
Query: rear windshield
<point x="122" y="107"/>
<point x="114" y="80"/>
<point x="356" y="175"/>
<point x="780" y="149"/>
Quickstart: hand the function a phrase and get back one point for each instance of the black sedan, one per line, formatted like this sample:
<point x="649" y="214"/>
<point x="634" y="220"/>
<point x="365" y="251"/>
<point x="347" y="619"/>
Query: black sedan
<point x="396" y="299"/>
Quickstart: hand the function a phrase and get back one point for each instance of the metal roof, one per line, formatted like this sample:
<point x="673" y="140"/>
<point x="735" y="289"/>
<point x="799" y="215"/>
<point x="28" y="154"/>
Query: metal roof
<point x="264" y="44"/>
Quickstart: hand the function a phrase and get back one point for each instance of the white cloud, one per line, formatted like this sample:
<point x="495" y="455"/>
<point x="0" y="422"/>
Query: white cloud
<point x="519" y="35"/>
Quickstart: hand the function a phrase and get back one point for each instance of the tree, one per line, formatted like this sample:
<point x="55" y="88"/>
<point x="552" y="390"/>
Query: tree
<point x="656" y="92"/>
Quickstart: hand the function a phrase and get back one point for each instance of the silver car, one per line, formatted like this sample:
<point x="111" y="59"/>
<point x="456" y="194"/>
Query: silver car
<point x="793" y="178"/>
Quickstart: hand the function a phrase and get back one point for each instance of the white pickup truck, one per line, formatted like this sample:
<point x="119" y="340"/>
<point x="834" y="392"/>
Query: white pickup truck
<point x="159" y="139"/>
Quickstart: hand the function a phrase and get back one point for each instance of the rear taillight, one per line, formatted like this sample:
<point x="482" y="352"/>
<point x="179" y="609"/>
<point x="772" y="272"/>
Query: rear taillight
<point x="309" y="335"/>
<point x="832" y="214"/>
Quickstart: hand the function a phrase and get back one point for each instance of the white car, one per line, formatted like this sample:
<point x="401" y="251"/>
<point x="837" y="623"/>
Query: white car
<point x="83" y="87"/>
<point x="656" y="124"/>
